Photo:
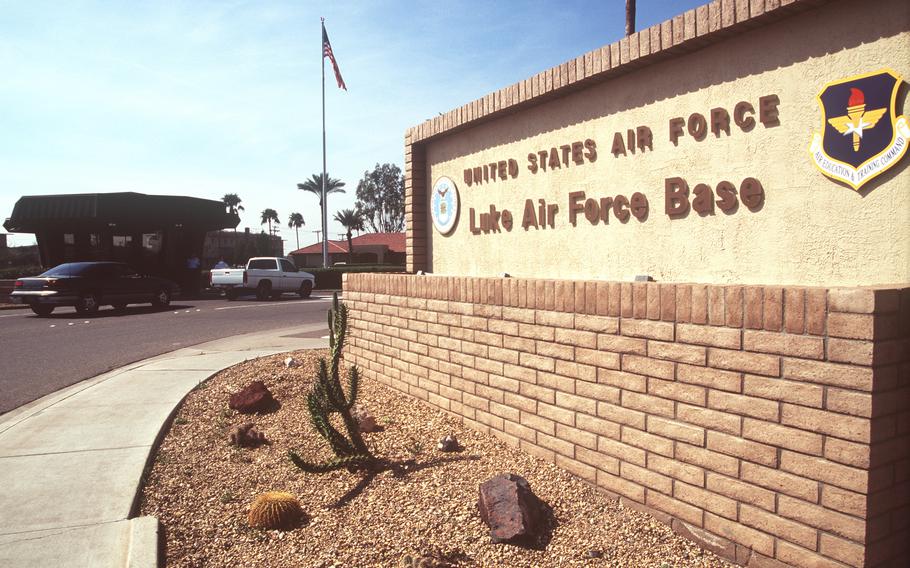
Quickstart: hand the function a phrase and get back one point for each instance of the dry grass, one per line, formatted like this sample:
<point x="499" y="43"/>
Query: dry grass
<point x="200" y="488"/>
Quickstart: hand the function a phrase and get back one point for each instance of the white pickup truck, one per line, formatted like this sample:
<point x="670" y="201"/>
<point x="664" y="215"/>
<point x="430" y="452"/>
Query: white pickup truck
<point x="268" y="277"/>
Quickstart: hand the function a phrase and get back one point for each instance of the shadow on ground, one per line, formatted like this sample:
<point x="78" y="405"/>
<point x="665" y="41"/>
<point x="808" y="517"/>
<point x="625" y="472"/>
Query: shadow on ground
<point x="399" y="469"/>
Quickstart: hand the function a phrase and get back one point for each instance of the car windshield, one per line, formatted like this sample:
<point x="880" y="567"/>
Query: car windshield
<point x="79" y="269"/>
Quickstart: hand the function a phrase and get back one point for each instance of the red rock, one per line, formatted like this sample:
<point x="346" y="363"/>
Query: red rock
<point x="254" y="397"/>
<point x="246" y="435"/>
<point x="509" y="507"/>
<point x="365" y="420"/>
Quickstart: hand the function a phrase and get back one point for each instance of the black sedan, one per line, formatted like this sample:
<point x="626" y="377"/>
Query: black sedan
<point x="89" y="285"/>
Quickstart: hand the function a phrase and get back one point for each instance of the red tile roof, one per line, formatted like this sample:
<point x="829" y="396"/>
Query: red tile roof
<point x="394" y="242"/>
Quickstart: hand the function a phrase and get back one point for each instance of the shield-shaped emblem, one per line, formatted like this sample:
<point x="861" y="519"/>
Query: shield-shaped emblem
<point x="861" y="136"/>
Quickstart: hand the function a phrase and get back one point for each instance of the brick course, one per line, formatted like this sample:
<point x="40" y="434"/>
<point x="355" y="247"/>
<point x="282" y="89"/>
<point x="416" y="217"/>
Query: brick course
<point x="770" y="439"/>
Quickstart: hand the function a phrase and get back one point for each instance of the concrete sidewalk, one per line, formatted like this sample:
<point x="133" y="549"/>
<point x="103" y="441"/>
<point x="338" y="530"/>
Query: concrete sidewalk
<point x="71" y="463"/>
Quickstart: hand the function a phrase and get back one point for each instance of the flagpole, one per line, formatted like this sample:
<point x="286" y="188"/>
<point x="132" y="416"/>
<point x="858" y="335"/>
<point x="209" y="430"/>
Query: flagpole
<point x="325" y="233"/>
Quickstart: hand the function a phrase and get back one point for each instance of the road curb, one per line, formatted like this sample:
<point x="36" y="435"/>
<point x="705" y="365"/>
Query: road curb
<point x="136" y="541"/>
<point x="145" y="543"/>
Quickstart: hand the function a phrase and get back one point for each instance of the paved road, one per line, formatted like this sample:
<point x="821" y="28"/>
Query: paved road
<point x="41" y="355"/>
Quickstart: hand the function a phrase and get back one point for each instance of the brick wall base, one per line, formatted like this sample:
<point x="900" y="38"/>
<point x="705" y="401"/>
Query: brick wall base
<point x="770" y="424"/>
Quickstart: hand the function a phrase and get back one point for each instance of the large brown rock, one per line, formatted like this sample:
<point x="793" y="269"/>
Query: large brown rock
<point x="255" y="397"/>
<point x="509" y="507"/>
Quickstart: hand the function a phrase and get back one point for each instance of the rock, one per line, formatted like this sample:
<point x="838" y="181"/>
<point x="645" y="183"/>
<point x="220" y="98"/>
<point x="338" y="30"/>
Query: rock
<point x="594" y="554"/>
<point x="246" y="435"/>
<point x="509" y="507"/>
<point x="366" y="422"/>
<point x="448" y="444"/>
<point x="291" y="362"/>
<point x="254" y="397"/>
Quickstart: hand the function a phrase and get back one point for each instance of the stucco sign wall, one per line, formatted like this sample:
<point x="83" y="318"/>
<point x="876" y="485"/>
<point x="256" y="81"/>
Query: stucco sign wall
<point x="731" y="164"/>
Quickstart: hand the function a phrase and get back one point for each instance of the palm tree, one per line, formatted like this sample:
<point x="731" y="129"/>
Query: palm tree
<point x="314" y="186"/>
<point x="232" y="202"/>
<point x="269" y="215"/>
<point x="295" y="221"/>
<point x="352" y="221"/>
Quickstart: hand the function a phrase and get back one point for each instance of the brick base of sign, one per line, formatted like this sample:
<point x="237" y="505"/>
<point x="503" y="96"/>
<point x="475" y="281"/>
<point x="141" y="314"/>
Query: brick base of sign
<point x="770" y="424"/>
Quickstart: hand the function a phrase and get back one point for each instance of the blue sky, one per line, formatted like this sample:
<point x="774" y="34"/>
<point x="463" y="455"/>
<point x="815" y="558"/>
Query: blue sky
<point x="204" y="98"/>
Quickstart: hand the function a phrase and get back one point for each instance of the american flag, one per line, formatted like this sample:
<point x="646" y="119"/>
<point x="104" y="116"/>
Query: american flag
<point x="327" y="52"/>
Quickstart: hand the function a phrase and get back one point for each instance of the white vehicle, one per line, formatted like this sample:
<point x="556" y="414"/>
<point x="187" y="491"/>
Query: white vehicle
<point x="268" y="277"/>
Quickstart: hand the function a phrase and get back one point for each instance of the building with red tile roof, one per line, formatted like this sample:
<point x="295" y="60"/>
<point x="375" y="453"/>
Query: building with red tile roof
<point x="369" y="248"/>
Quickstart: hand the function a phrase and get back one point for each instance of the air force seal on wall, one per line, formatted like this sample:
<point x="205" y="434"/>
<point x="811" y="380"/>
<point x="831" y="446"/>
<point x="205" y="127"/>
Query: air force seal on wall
<point x="861" y="137"/>
<point x="444" y="205"/>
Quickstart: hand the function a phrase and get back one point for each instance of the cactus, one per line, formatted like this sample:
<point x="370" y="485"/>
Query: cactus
<point x="275" y="510"/>
<point x="328" y="397"/>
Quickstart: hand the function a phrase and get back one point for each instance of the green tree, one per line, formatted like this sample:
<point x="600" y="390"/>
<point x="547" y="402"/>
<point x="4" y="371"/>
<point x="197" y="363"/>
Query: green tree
<point x="269" y="216"/>
<point x="352" y="221"/>
<point x="232" y="202"/>
<point x="380" y="199"/>
<point x="295" y="221"/>
<point x="314" y="186"/>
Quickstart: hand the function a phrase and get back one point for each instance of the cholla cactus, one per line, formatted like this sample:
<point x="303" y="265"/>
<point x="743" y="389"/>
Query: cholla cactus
<point x="328" y="397"/>
<point x="275" y="510"/>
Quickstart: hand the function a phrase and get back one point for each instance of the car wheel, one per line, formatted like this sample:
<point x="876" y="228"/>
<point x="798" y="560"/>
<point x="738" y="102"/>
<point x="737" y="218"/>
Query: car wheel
<point x="42" y="310"/>
<point x="230" y="294"/>
<point x="162" y="299"/>
<point x="305" y="289"/>
<point x="87" y="303"/>
<point x="119" y="305"/>
<point x="264" y="290"/>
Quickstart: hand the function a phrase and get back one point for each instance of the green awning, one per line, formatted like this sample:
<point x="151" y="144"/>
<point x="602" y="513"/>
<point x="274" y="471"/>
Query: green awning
<point x="36" y="213"/>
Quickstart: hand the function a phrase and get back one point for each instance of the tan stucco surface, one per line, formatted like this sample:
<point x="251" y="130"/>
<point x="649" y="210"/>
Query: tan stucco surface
<point x="810" y="230"/>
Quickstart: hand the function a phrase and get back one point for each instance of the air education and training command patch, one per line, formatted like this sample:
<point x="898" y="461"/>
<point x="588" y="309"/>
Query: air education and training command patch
<point x="861" y="137"/>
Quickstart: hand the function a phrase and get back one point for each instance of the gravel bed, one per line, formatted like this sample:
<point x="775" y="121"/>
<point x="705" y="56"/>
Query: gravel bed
<point x="200" y="488"/>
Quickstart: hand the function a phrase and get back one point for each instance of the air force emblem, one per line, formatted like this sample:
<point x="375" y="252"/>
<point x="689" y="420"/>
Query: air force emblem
<point x="861" y="137"/>
<point x="444" y="205"/>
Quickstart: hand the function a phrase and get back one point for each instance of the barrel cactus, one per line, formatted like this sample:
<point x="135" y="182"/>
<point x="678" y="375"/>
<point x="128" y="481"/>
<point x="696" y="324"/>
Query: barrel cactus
<point x="275" y="510"/>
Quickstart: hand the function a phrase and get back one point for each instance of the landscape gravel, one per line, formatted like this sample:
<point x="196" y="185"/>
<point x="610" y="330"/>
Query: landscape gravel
<point x="200" y="488"/>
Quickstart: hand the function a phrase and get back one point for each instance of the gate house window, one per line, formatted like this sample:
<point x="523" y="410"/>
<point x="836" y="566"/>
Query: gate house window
<point x="151" y="242"/>
<point x="151" y="245"/>
<point x="122" y="241"/>
<point x="69" y="247"/>
<point x="122" y="247"/>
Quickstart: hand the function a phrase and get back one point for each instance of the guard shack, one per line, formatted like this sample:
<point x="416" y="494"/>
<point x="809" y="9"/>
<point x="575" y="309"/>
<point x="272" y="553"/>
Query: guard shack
<point x="153" y="233"/>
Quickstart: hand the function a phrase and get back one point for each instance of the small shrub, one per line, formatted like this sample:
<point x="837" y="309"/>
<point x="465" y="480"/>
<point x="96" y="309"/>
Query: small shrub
<point x="414" y="447"/>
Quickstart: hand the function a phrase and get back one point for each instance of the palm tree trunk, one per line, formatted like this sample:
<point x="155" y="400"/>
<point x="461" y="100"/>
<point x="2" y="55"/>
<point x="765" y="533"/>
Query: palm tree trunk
<point x="297" y="231"/>
<point x="350" y="249"/>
